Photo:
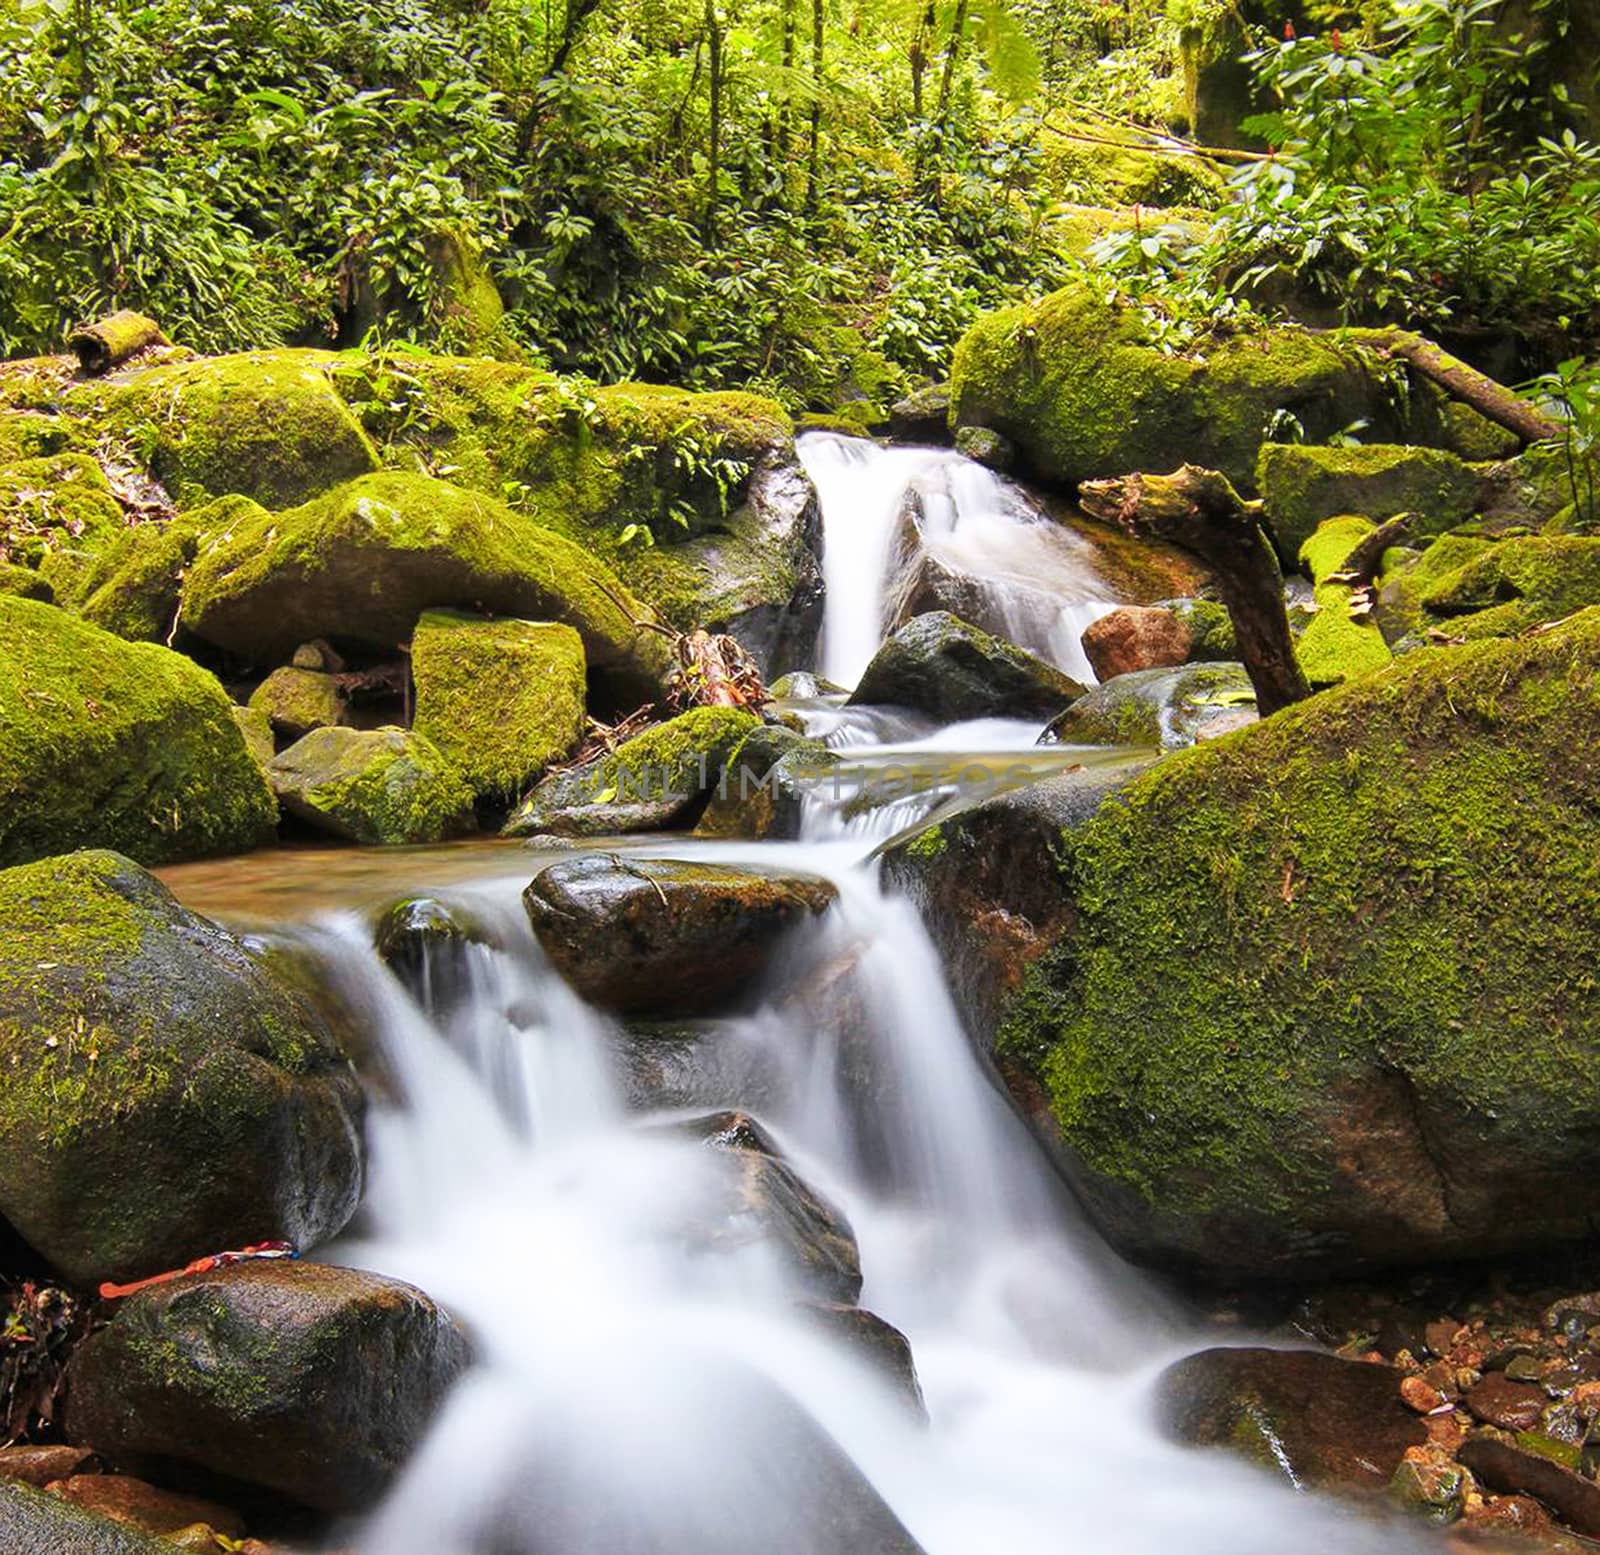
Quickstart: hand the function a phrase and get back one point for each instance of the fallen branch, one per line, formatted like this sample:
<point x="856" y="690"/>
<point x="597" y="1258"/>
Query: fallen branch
<point x="110" y="342"/>
<point x="1199" y="511"/>
<point x="1360" y="567"/>
<point x="1493" y="401"/>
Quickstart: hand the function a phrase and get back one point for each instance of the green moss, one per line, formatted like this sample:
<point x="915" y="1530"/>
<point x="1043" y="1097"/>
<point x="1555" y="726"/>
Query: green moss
<point x="58" y="507"/>
<point x="262" y="424"/>
<point x="296" y="701"/>
<point x="1335" y="647"/>
<point x="679" y="750"/>
<point x="24" y="583"/>
<point x="28" y="434"/>
<point x="116" y="744"/>
<point x="1302" y="486"/>
<point x="929" y="843"/>
<point x="502" y="700"/>
<point x="1397" y="878"/>
<point x="1519" y="583"/>
<point x="1074" y="383"/>
<point x="132" y="586"/>
<point x="378" y="786"/>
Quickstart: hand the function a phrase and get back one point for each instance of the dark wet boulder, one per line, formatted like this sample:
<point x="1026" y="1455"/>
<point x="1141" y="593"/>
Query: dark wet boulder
<point x="1312" y="1004"/>
<point x="377" y="786"/>
<point x="762" y="790"/>
<point x="1170" y="708"/>
<point x="1319" y="1421"/>
<point x="922" y="417"/>
<point x="1511" y="1470"/>
<point x="760" y="1200"/>
<point x="314" y="1381"/>
<point x="500" y="699"/>
<point x="661" y="937"/>
<point x="658" y="779"/>
<point x="939" y="665"/>
<point x="879" y="1344"/>
<point x="164" y="1098"/>
<point x="33" y="1522"/>
<point x="428" y="944"/>
<point x="116" y="744"/>
<point x="362" y="562"/>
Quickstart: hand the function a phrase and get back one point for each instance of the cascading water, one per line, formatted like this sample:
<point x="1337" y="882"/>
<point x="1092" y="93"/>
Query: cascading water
<point x="896" y="510"/>
<point x="654" y="1378"/>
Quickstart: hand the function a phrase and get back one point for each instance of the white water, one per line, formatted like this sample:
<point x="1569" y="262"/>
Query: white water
<point x="1033" y="581"/>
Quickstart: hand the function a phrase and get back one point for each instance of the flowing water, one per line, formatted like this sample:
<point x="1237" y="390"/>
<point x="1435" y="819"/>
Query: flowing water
<point x="647" y="1385"/>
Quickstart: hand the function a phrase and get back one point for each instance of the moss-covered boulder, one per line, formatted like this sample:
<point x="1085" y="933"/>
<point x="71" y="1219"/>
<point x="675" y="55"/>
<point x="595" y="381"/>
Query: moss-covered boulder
<point x="431" y="945"/>
<point x="24" y="583"/>
<point x="116" y="744"/>
<point x="661" y="938"/>
<point x="501" y="700"/>
<point x="1518" y="583"/>
<point x="133" y="584"/>
<point x="1169" y="708"/>
<point x="1301" y="486"/>
<point x="1324" y="1001"/>
<point x="312" y="1381"/>
<point x="762" y="788"/>
<point x="1338" y="645"/>
<point x="939" y="665"/>
<point x="1082" y="391"/>
<point x="377" y="786"/>
<point x="296" y="701"/>
<point x="262" y="424"/>
<point x="55" y="513"/>
<point x="163" y="1097"/>
<point x="660" y="778"/>
<point x="362" y="563"/>
<point x="30" y="434"/>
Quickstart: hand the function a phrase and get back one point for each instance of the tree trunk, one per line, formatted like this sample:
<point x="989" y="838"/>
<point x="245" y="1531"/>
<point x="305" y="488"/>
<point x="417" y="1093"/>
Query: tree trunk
<point x="952" y="54"/>
<point x="714" y="150"/>
<point x="1200" y="511"/>
<point x="788" y="75"/>
<point x="814" y="161"/>
<point x="919" y="58"/>
<point x="109" y="343"/>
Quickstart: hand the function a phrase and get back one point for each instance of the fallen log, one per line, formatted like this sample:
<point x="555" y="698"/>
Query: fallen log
<point x="112" y="340"/>
<point x="1200" y="512"/>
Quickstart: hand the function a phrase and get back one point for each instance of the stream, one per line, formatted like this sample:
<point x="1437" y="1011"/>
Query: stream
<point x="643" y="1392"/>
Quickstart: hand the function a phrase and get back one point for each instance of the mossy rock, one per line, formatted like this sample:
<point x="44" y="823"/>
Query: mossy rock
<point x="660" y="778"/>
<point x="311" y="1381"/>
<point x="24" y="583"/>
<point x="1519" y="583"/>
<point x="760" y="792"/>
<point x="132" y="586"/>
<point x="378" y="786"/>
<point x="942" y="666"/>
<point x="261" y="424"/>
<point x="163" y="1097"/>
<point x="1302" y="486"/>
<point x="361" y="563"/>
<point x="1324" y="1002"/>
<point x="1406" y="575"/>
<point x="1168" y="708"/>
<point x="1129" y="175"/>
<point x="114" y="744"/>
<point x="256" y="728"/>
<point x="1078" y="387"/>
<point x="501" y="700"/>
<point x="30" y="434"/>
<point x="1336" y="647"/>
<point x="297" y="701"/>
<point x="54" y="511"/>
<point x="35" y="1522"/>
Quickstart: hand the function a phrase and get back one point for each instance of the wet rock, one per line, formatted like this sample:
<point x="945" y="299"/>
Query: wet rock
<point x="764" y="1202"/>
<point x="939" y="665"/>
<point x="41" y="1465"/>
<point x="318" y="654"/>
<point x="1433" y="1488"/>
<point x="1421" y="1396"/>
<point x="685" y="1066"/>
<point x="296" y="701"/>
<point x="922" y="417"/>
<point x="362" y="562"/>
<point x="658" y="779"/>
<point x="1320" y="1421"/>
<point x="1502" y="1467"/>
<point x="1170" y="708"/>
<point x="802" y="685"/>
<point x="310" y="1380"/>
<point x="376" y="786"/>
<point x="165" y="1097"/>
<point x="144" y="1506"/>
<point x="33" y="1522"/>
<point x="256" y="728"/>
<point x="501" y="700"/>
<point x="985" y="446"/>
<point x="660" y="937"/>
<point x="427" y="944"/>
<point x="761" y="791"/>
<point x="116" y="744"/>
<point x="882" y="1345"/>
<point x="1513" y="1406"/>
<point x="1136" y="637"/>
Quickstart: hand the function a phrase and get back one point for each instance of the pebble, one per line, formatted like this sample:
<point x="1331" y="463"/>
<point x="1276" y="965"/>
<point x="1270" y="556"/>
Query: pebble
<point x="1421" y="1396"/>
<point x="1513" y="1406"/>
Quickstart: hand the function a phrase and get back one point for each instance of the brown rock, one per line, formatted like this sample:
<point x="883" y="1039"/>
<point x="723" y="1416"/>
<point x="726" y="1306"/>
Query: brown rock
<point x="1136" y="637"/>
<point x="1325" y="1422"/>
<point x="880" y="1344"/>
<point x="40" y="1465"/>
<point x="1440" y="1335"/>
<point x="133" y="1501"/>
<point x="1421" y="1396"/>
<point x="1513" y="1406"/>
<point x="1502" y="1467"/>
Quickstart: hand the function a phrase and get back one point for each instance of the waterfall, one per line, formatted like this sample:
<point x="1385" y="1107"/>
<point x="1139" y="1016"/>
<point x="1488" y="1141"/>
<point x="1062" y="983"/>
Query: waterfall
<point x="907" y="529"/>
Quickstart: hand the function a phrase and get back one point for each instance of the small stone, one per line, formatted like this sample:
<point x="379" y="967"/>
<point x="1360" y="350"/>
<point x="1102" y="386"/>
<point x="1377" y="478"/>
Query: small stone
<point x="317" y="655"/>
<point x="1420" y="1396"/>
<point x="1513" y="1406"/>
<point x="1441" y="1375"/>
<point x="1440" y="1335"/>
<point x="41" y="1465"/>
<point x="1435" y="1490"/>
<point x="1525" y="1368"/>
<point x="987" y="446"/>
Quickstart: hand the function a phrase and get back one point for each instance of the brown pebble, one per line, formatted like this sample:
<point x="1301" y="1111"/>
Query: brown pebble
<point x="1440" y="1336"/>
<point x="1445" y="1431"/>
<point x="1421" y="1396"/>
<point x="1441" y="1375"/>
<point x="1513" y="1406"/>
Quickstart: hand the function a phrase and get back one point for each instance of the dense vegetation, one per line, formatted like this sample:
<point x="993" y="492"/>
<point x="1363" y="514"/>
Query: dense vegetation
<point x="812" y="200"/>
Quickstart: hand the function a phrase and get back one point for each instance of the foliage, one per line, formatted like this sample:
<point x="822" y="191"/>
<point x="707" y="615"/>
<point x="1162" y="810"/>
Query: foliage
<point x="1572" y="391"/>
